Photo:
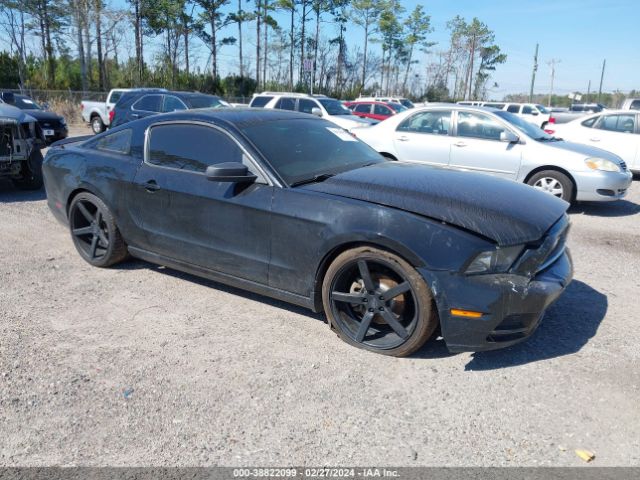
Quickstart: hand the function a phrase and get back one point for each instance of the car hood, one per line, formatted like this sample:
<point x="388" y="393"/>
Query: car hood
<point x="42" y="115"/>
<point x="507" y="212"/>
<point x="585" y="150"/>
<point x="350" y="121"/>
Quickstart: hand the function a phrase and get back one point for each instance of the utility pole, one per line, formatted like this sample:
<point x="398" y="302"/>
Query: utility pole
<point x="604" y="63"/>
<point x="588" y="92"/>
<point x="552" y="63"/>
<point x="533" y="74"/>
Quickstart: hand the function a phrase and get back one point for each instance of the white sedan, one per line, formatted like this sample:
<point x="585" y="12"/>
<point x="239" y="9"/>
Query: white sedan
<point x="617" y="131"/>
<point x="499" y="143"/>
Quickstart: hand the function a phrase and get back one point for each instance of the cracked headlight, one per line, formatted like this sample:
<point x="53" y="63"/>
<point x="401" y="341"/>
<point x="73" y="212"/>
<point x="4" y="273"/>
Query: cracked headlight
<point x="495" y="261"/>
<point x="602" y="164"/>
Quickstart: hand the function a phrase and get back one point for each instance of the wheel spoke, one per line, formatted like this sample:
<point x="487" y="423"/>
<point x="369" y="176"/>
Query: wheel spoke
<point x="366" y="275"/>
<point x="94" y="245"/>
<point x="395" y="291"/>
<point x="82" y="231"/>
<point x="364" y="326"/>
<point x="347" y="297"/>
<point x="85" y="212"/>
<point x="104" y="241"/>
<point x="98" y="217"/>
<point x="394" y="323"/>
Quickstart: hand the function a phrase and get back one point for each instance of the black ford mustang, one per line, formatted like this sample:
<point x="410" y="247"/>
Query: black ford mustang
<point x="293" y="207"/>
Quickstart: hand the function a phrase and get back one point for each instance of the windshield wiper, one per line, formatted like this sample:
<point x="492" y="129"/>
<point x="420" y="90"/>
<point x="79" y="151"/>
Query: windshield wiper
<point x="315" y="179"/>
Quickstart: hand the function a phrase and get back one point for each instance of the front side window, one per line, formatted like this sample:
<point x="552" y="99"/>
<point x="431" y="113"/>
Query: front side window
<point x="148" y="103"/>
<point x="190" y="147"/>
<point x="527" y="110"/>
<point x="117" y="142"/>
<point x="513" y="108"/>
<point x="438" y="122"/>
<point x="305" y="106"/>
<point x="286" y="103"/>
<point x="171" y="104"/>
<point x="617" y="123"/>
<point x="476" y="125"/>
<point x="381" y="110"/>
<point x="635" y="105"/>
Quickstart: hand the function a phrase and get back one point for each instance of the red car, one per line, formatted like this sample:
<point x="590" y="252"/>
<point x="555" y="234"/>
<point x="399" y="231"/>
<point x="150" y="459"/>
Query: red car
<point x="374" y="110"/>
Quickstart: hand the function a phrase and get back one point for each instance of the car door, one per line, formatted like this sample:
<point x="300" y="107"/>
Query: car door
<point x="617" y="133"/>
<point x="221" y="226"/>
<point x="424" y="137"/>
<point x="362" y="110"/>
<point x="381" y="112"/>
<point x="477" y="146"/>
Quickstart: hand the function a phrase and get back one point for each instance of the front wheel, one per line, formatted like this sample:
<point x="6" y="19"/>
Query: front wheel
<point x="554" y="183"/>
<point x="377" y="301"/>
<point x="30" y="173"/>
<point x="94" y="231"/>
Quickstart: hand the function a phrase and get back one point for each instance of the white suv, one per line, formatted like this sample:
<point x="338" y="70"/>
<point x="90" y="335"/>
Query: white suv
<point x="320" y="105"/>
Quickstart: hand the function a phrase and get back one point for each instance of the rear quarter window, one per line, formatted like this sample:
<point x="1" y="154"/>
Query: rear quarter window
<point x="117" y="142"/>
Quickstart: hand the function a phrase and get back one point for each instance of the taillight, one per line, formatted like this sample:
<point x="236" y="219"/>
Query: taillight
<point x="111" y="115"/>
<point x="552" y="119"/>
<point x="82" y="106"/>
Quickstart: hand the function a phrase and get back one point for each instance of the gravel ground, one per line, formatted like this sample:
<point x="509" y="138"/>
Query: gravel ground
<point x="141" y="365"/>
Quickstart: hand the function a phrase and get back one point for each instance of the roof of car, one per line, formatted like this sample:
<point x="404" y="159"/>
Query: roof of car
<point x="240" y="117"/>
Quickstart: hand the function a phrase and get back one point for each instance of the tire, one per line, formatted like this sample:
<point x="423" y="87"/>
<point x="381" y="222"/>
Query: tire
<point x="377" y="320"/>
<point x="30" y="173"/>
<point x="555" y="183"/>
<point x="97" y="125"/>
<point x="94" y="231"/>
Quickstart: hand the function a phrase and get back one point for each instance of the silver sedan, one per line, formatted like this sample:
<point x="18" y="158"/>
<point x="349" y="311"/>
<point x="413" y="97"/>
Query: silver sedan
<point x="499" y="143"/>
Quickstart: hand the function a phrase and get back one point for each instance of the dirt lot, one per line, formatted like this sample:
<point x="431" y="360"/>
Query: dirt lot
<point x="140" y="365"/>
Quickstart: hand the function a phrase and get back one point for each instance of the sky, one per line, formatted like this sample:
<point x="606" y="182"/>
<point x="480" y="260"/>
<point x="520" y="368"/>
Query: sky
<point x="579" y="34"/>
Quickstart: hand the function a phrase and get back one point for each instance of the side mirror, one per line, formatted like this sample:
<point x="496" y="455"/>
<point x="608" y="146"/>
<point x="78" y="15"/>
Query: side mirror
<point x="316" y="111"/>
<point x="229" y="172"/>
<point x="509" y="137"/>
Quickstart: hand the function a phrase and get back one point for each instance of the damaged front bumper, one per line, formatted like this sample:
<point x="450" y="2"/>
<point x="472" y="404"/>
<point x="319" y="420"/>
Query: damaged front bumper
<point x="512" y="305"/>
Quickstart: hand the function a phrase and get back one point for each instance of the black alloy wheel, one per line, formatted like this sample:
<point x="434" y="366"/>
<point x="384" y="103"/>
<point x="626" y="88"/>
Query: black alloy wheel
<point x="94" y="233"/>
<point x="377" y="301"/>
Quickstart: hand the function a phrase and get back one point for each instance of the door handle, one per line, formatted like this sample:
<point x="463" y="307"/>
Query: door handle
<point x="135" y="115"/>
<point x="403" y="139"/>
<point x="594" y="139"/>
<point x="460" y="144"/>
<point x="151" y="186"/>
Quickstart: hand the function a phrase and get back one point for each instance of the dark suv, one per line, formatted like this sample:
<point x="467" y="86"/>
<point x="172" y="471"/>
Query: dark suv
<point x="140" y="104"/>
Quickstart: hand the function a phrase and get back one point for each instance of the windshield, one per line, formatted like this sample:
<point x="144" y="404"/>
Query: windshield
<point x="397" y="107"/>
<point x="204" y="101"/>
<point x="525" y="127"/>
<point x="302" y="149"/>
<point x="25" y="103"/>
<point x="334" y="107"/>
<point x="542" y="109"/>
<point x="406" y="102"/>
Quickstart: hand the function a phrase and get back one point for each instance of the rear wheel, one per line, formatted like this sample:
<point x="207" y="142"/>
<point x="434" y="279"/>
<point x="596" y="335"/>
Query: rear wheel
<point x="377" y="301"/>
<point x="97" y="125"/>
<point x="30" y="173"/>
<point x="554" y="183"/>
<point x="94" y="231"/>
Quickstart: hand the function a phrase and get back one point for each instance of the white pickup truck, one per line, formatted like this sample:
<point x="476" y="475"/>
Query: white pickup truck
<point x="96" y="114"/>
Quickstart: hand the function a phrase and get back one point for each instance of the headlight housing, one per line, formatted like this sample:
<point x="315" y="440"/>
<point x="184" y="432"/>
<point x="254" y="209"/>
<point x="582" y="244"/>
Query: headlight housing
<point x="499" y="260"/>
<point x="602" y="164"/>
